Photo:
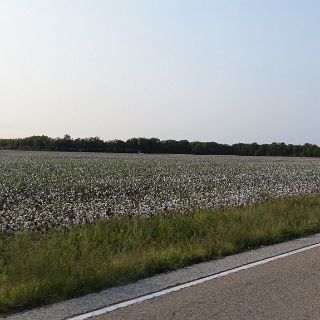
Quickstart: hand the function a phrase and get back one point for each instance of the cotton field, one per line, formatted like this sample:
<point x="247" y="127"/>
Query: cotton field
<point x="44" y="190"/>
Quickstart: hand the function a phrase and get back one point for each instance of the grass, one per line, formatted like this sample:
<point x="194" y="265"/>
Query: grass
<point x="37" y="269"/>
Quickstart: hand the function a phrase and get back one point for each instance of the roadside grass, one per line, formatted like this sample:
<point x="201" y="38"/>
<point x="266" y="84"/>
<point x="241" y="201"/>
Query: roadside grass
<point x="37" y="269"/>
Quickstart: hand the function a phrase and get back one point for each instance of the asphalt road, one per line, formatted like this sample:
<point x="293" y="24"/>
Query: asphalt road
<point x="288" y="288"/>
<point x="279" y="289"/>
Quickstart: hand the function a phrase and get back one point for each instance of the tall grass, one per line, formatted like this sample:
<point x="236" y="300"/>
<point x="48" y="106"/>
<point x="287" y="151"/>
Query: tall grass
<point x="41" y="268"/>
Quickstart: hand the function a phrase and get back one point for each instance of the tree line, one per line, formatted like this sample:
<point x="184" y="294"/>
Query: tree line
<point x="154" y="145"/>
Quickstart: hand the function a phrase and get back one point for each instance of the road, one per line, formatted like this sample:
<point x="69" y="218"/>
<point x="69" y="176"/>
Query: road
<point x="288" y="288"/>
<point x="284" y="285"/>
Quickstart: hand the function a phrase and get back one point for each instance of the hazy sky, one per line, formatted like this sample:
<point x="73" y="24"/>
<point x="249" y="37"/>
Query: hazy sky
<point x="223" y="70"/>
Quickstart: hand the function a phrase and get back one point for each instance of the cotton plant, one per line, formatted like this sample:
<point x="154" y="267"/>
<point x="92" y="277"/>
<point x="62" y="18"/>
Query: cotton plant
<point x="41" y="190"/>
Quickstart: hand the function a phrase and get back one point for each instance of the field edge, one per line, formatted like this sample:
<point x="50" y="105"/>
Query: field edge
<point x="41" y="269"/>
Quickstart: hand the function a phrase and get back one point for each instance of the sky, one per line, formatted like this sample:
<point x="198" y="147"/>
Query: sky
<point x="227" y="71"/>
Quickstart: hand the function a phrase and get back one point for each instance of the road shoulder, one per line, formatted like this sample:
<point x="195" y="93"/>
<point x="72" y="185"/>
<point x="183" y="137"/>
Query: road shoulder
<point x="90" y="302"/>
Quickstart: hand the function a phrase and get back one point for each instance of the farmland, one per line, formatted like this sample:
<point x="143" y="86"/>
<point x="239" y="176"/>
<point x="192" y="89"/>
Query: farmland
<point x="74" y="223"/>
<point x="43" y="190"/>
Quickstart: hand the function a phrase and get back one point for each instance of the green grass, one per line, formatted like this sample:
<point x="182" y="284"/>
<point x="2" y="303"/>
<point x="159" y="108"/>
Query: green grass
<point x="37" y="269"/>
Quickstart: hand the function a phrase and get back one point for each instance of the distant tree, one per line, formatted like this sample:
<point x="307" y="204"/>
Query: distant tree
<point x="67" y="137"/>
<point x="155" y="145"/>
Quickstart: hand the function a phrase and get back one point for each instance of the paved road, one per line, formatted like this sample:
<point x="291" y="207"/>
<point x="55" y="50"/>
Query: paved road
<point x="288" y="288"/>
<point x="222" y="295"/>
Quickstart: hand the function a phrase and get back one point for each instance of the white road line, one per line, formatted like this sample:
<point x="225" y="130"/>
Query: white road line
<point x="188" y="284"/>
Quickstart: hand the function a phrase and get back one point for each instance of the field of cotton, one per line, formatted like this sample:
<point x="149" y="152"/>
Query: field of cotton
<point x="41" y="191"/>
<point x="74" y="223"/>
